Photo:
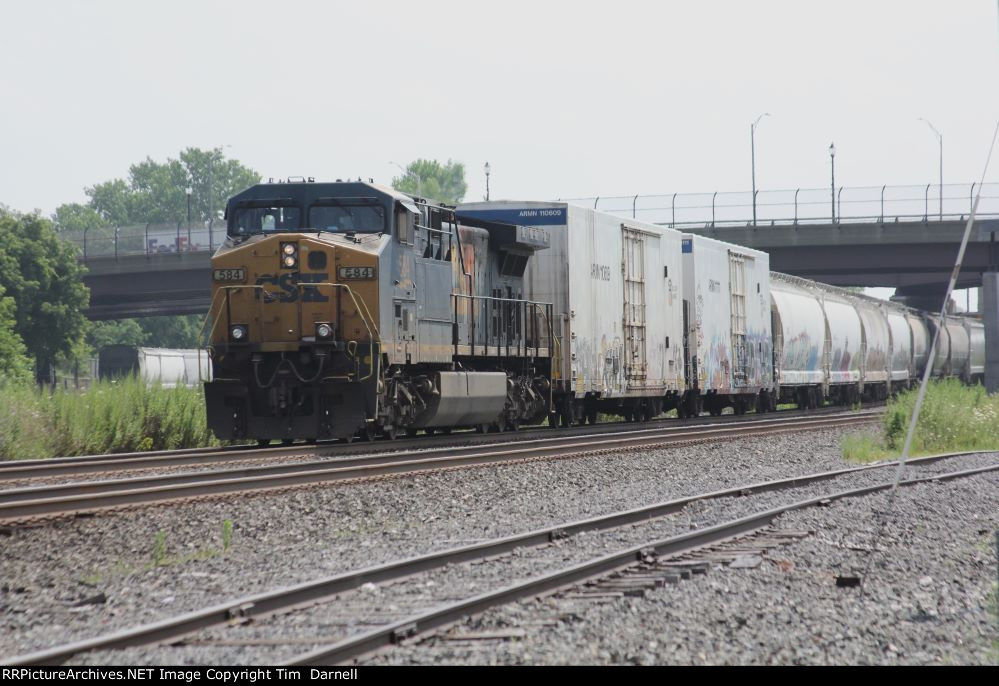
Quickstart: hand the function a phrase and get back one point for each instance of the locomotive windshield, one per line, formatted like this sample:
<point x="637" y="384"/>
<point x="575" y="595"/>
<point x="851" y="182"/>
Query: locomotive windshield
<point x="249" y="221"/>
<point x="344" y="217"/>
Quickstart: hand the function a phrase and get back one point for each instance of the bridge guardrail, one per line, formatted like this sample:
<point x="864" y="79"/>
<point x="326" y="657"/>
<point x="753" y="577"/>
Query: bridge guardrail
<point x="853" y="204"/>
<point x="146" y="239"/>
<point x="800" y="206"/>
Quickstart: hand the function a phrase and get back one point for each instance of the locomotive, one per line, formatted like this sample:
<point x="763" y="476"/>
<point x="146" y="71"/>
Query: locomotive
<point x="349" y="309"/>
<point x="344" y="309"/>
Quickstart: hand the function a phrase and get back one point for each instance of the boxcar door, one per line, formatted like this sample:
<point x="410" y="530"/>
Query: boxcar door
<point x="633" y="250"/>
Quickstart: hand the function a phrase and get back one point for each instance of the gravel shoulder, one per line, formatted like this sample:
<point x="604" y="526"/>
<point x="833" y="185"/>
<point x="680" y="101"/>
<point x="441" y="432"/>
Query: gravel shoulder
<point x="74" y="579"/>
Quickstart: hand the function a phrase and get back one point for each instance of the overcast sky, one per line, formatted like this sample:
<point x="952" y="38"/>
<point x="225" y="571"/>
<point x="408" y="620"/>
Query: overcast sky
<point x="563" y="99"/>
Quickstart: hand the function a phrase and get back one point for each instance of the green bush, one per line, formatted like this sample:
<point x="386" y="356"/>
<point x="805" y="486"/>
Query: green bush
<point x="954" y="417"/>
<point x="110" y="417"/>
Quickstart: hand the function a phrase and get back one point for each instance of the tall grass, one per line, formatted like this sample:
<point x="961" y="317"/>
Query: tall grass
<point x="954" y="417"/>
<point x="109" y="417"/>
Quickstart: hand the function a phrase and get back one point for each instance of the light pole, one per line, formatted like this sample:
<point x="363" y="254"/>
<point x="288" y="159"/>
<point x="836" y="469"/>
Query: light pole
<point x="189" y="191"/>
<point x="488" y="170"/>
<point x="832" y="160"/>
<point x="406" y="172"/>
<point x="752" y="147"/>
<point x="940" y="139"/>
<point x="211" y="163"/>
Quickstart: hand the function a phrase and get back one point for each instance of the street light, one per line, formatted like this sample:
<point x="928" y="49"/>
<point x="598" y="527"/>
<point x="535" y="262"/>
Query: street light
<point x="939" y="138"/>
<point x="189" y="191"/>
<point x="211" y="164"/>
<point x="752" y="145"/>
<point x="832" y="160"/>
<point x="488" y="169"/>
<point x="406" y="172"/>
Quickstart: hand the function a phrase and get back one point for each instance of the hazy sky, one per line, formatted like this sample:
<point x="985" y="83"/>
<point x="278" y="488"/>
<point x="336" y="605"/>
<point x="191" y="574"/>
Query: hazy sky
<point x="563" y="99"/>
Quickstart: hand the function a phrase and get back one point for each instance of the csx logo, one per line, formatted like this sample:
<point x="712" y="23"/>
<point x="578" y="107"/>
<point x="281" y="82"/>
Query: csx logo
<point x="288" y="283"/>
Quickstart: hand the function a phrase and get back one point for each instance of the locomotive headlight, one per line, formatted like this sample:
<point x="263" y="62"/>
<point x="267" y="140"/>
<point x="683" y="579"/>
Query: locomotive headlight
<point x="289" y="255"/>
<point x="237" y="333"/>
<point x="324" y="331"/>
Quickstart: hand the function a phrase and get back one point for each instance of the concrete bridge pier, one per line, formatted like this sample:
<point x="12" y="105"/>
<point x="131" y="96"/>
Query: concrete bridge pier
<point x="990" y="314"/>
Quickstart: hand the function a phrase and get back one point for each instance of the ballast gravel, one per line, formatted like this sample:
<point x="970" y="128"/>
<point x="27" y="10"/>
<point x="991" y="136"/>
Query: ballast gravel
<point x="285" y="636"/>
<point x="75" y="579"/>
<point x="928" y="599"/>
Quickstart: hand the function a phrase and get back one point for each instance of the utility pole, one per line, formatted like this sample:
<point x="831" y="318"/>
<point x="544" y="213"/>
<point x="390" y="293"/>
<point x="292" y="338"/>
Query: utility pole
<point x="488" y="170"/>
<point x="752" y="146"/>
<point x="940" y="139"/>
<point x="832" y="160"/>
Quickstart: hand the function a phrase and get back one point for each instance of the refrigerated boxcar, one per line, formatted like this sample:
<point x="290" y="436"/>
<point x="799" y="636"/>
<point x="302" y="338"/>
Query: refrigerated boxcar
<point x="616" y="289"/>
<point x="728" y="346"/>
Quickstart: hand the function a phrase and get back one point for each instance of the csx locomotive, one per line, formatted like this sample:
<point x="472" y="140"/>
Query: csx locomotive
<point x="349" y="309"/>
<point x="343" y="309"/>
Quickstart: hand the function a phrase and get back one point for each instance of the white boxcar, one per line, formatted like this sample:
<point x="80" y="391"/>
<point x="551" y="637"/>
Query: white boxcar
<point x="726" y="289"/>
<point x="615" y="287"/>
<point x="170" y="367"/>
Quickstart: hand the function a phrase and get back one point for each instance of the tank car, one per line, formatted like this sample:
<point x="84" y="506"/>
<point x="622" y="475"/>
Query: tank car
<point x="345" y="309"/>
<point x="616" y="288"/>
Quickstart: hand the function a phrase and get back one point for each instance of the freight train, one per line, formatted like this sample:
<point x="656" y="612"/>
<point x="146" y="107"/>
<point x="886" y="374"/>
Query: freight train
<point x="349" y="309"/>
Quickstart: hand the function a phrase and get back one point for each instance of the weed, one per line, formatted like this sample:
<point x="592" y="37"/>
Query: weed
<point x="954" y="417"/>
<point x="110" y="417"/>
<point x="159" y="549"/>
<point x="226" y="535"/>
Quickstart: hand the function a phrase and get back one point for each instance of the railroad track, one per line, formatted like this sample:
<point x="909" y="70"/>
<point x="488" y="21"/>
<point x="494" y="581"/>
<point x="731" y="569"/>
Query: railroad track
<point x="656" y="561"/>
<point x="13" y="470"/>
<point x="71" y="499"/>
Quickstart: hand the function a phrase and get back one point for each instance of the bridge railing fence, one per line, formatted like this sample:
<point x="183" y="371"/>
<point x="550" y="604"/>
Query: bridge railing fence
<point x="145" y="239"/>
<point x="845" y="204"/>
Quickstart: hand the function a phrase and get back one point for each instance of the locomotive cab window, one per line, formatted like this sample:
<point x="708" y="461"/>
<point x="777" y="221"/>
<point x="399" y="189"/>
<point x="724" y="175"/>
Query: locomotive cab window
<point x="249" y="221"/>
<point x="347" y="217"/>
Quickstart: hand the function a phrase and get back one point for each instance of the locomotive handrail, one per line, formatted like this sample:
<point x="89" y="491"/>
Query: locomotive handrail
<point x="211" y="307"/>
<point x="488" y="298"/>
<point x="365" y="314"/>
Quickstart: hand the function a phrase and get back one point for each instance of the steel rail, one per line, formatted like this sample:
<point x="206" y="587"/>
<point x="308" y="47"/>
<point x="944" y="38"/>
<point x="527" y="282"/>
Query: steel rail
<point x="436" y="618"/>
<point x="11" y="470"/>
<point x="309" y="593"/>
<point x="89" y="487"/>
<point x="81" y="497"/>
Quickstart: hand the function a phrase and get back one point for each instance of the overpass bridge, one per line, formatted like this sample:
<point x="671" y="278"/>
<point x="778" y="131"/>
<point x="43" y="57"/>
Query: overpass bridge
<point x="144" y="270"/>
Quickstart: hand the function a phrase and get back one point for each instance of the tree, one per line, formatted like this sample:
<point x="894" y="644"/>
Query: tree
<point x="41" y="273"/>
<point x="115" y="332"/>
<point x="172" y="332"/>
<point x="157" y="192"/>
<point x="14" y="361"/>
<point x="444" y="183"/>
